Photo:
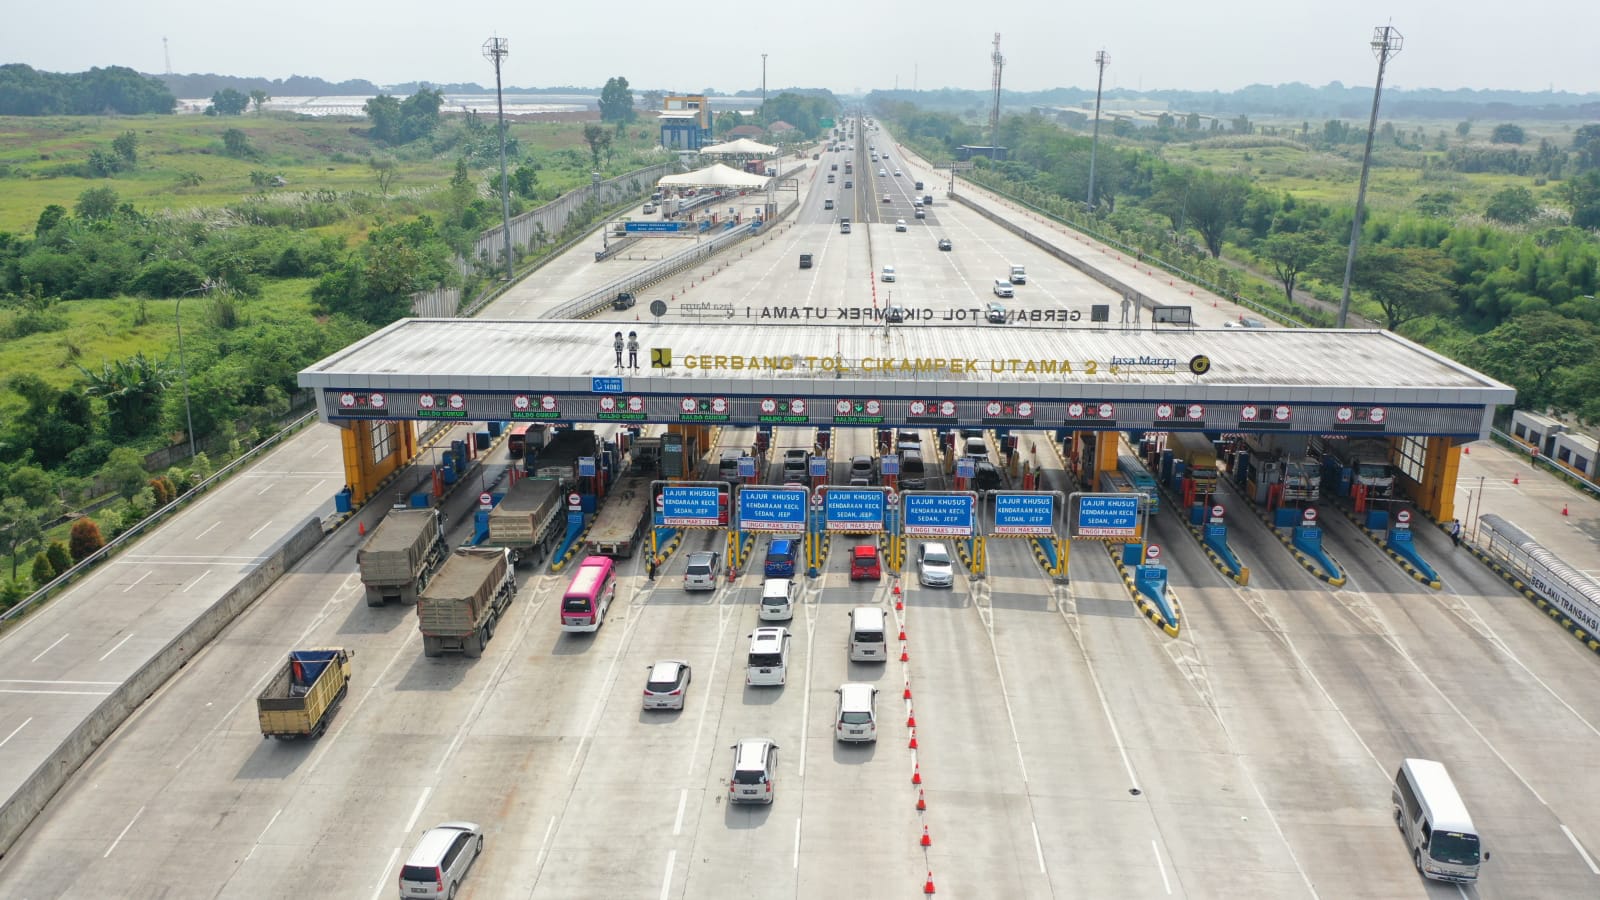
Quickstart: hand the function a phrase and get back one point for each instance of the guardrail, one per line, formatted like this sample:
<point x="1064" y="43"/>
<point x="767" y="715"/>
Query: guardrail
<point x="147" y="523"/>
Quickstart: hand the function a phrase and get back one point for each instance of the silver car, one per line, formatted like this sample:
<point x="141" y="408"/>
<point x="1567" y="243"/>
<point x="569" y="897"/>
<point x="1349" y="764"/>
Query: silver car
<point x="934" y="568"/>
<point x="701" y="574"/>
<point x="667" y="684"/>
<point x="441" y="859"/>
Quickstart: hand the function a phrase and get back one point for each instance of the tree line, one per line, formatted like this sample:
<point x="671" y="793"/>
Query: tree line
<point x="26" y="91"/>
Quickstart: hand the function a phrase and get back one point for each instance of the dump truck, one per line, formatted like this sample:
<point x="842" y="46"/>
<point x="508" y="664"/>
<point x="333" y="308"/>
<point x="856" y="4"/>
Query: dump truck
<point x="1199" y="458"/>
<point x="525" y="521"/>
<point x="401" y="555"/>
<point x="460" y="607"/>
<point x="620" y="522"/>
<point x="300" y="698"/>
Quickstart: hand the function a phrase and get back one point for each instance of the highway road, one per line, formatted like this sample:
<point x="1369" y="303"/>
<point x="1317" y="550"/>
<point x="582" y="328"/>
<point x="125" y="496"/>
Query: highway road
<point x="1067" y="747"/>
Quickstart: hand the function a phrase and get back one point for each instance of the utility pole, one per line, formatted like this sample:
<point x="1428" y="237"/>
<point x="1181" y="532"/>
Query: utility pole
<point x="495" y="50"/>
<point x="994" y="110"/>
<point x="1101" y="60"/>
<point x="763" y="90"/>
<point x="1386" y="43"/>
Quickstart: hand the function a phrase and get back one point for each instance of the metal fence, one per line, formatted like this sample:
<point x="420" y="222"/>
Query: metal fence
<point x="552" y="218"/>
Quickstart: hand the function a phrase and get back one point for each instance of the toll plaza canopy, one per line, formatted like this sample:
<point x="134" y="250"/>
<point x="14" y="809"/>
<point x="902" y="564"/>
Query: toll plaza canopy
<point x="714" y="176"/>
<point x="1367" y="383"/>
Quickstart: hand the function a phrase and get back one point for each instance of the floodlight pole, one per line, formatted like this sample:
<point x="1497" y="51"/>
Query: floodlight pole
<point x="1386" y="43"/>
<point x="1101" y="60"/>
<point x="496" y="49"/>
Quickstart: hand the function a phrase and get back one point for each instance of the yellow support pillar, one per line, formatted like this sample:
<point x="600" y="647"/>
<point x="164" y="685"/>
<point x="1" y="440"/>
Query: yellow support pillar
<point x="1105" y="453"/>
<point x="1441" y="465"/>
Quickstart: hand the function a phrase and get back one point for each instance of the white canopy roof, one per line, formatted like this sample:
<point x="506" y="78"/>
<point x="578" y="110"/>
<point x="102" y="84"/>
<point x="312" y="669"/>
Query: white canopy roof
<point x="741" y="146"/>
<point x="714" y="176"/>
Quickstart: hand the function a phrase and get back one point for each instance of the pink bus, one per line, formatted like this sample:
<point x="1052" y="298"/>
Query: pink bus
<point x="583" y="607"/>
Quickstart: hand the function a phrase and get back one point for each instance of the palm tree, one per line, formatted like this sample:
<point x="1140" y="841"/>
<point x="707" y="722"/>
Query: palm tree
<point x="132" y="388"/>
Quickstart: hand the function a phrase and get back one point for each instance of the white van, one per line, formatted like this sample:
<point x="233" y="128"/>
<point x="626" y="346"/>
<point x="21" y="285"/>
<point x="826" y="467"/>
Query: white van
<point x="1019" y="275"/>
<point x="777" y="599"/>
<point x="1444" y="844"/>
<point x="855" y="717"/>
<point x="768" y="662"/>
<point x="867" y="640"/>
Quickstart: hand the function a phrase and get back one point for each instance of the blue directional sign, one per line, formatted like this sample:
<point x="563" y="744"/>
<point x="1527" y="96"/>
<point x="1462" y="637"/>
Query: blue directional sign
<point x="966" y="467"/>
<point x="933" y="515"/>
<point x="644" y="227"/>
<point x="747" y="467"/>
<point x="854" y="510"/>
<point x="772" y="509"/>
<point x="689" y="507"/>
<point x="889" y="465"/>
<point x="818" y="467"/>
<point x="1107" y="515"/>
<point x="1025" y="514"/>
<point x="586" y="466"/>
<point x="606" y="385"/>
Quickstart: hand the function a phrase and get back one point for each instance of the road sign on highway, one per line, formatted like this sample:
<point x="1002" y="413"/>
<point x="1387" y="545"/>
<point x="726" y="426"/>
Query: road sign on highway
<point x="689" y="506"/>
<point x="1024" y="513"/>
<point x="1309" y="515"/>
<point x="938" y="515"/>
<point x="747" y="467"/>
<point x="854" y="509"/>
<point x="658" y="308"/>
<point x="889" y="465"/>
<point x="485" y="501"/>
<point x="605" y="386"/>
<point x="772" y="509"/>
<point x="1105" y="515"/>
<point x="586" y="467"/>
<point x="966" y="467"/>
<point x="818" y="467"/>
<point x="573" y="500"/>
<point x="1153" y="552"/>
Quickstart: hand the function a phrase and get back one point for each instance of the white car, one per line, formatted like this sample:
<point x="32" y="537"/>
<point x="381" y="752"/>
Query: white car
<point x="898" y="174"/>
<point x="899" y="224"/>
<point x="441" y="859"/>
<point x="667" y="684"/>
<point x="1002" y="288"/>
<point x="887" y="274"/>
<point x="754" y="763"/>
<point x="882" y="174"/>
<point x="934" y="568"/>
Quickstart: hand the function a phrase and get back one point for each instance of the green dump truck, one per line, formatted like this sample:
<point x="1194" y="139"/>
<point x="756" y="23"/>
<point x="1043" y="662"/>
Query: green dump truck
<point x="460" y="607"/>
<point x="300" y="698"/>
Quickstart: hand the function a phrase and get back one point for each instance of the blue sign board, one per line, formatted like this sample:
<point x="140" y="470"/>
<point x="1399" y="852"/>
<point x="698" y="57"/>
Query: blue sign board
<point x="1108" y="515"/>
<point x="606" y="385"/>
<point x="586" y="466"/>
<point x="642" y="227"/>
<point x="689" y="506"/>
<point x="854" y="510"/>
<point x="772" y="509"/>
<point x="1025" y="514"/>
<point x="747" y="467"/>
<point x="819" y="467"/>
<point x="932" y="515"/>
<point x="574" y="518"/>
<point x="966" y="467"/>
<point x="889" y="465"/>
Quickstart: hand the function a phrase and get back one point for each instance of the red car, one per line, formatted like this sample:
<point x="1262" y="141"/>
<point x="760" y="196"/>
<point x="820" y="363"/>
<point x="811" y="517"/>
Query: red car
<point x="864" y="563"/>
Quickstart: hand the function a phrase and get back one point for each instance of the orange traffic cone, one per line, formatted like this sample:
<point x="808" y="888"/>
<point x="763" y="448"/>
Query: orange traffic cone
<point x="1466" y="451"/>
<point x="1563" y="512"/>
<point x="922" y="801"/>
<point x="916" y="774"/>
<point x="1516" y="479"/>
<point x="898" y="606"/>
<point x="902" y="634"/>
<point x="913" y="742"/>
<point x="897" y="590"/>
<point x="904" y="657"/>
<point x="927" y="887"/>
<point x="908" y="684"/>
<point x="911" y="721"/>
<point x="361" y="528"/>
<point x="926" y="840"/>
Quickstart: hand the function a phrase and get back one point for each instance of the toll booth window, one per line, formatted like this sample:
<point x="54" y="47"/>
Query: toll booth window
<point x="383" y="439"/>
<point x="1409" y="455"/>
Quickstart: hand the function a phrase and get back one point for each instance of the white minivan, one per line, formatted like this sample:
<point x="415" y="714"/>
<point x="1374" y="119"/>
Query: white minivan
<point x="1444" y="844"/>
<point x="768" y="661"/>
<point x="867" y="640"/>
<point x="855" y="717"/>
<point x="777" y="599"/>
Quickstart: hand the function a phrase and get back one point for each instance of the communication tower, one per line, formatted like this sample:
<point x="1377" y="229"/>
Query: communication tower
<point x="994" y="113"/>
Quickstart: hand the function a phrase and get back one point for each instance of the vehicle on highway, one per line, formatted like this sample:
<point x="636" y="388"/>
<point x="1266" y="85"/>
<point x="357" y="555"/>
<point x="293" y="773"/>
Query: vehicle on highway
<point x="986" y="477"/>
<point x="828" y="203"/>
<point x="805" y="260"/>
<point x="701" y="573"/>
<point x="830" y="179"/>
<point x="898" y="174"/>
<point x="996" y="312"/>
<point x="848" y="183"/>
<point x="927" y="199"/>
<point x="913" y="475"/>
<point x="299" y="700"/>
<point x="593" y="587"/>
<point x="781" y="556"/>
<point x="624" y="300"/>
<point x="855" y="717"/>
<point x="1428" y="810"/>
<point x="886" y="199"/>
<point x="882" y="174"/>
<point x="895" y="314"/>
<point x="920" y="213"/>
<point x="666" y="685"/>
<point x="1018" y="275"/>
<point x="648" y="209"/>
<point x="460" y="607"/>
<point x="866" y="639"/>
<point x="863" y="467"/>
<point x="794" y="464"/>
<point x="755" y="762"/>
<point x="1245" y="322"/>
<point x="835" y="167"/>
<point x="976" y="446"/>
<point x="944" y="244"/>
<point x="1002" y="288"/>
<point x="887" y="274"/>
<point x="919" y="185"/>
<point x="844" y="226"/>
<point x="768" y="660"/>
<point x="778" y="596"/>
<point x="864" y="563"/>
<point x="934" y="568"/>
<point x="441" y="859"/>
<point x="899" y="224"/>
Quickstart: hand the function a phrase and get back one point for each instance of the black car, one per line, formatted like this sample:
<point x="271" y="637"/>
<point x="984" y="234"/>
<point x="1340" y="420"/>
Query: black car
<point x="985" y="477"/>
<point x="805" y="260"/>
<point x="894" y="314"/>
<point x="944" y="243"/>
<point x="624" y="300"/>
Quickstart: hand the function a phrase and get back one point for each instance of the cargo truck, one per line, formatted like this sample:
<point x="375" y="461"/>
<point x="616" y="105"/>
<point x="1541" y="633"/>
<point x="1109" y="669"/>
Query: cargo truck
<point x="620" y="523"/>
<point x="401" y="555"/>
<point x="646" y="455"/>
<point x="299" y="699"/>
<point x="1300" y="481"/>
<point x="1199" y="458"/>
<point x="681" y="456"/>
<point x="527" y="520"/>
<point x="459" y="609"/>
<point x="559" y="457"/>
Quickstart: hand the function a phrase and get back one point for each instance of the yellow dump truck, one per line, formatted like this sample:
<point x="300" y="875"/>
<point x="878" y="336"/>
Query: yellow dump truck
<point x="300" y="698"/>
<point x="1199" y="458"/>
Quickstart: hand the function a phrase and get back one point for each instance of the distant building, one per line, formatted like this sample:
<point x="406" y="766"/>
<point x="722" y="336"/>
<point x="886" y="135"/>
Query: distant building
<point x="968" y="151"/>
<point x="781" y="130"/>
<point x="685" y="122"/>
<point x="753" y="132"/>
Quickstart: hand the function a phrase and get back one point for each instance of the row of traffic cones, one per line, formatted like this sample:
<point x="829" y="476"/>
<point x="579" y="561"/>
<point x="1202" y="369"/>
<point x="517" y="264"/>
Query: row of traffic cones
<point x="926" y="840"/>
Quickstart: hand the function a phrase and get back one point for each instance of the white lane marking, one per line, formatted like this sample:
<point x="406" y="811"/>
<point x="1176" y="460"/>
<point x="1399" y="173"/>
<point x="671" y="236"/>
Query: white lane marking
<point x="208" y="530"/>
<point x="320" y="483"/>
<point x="666" y="879"/>
<point x="700" y="723"/>
<point x="416" y="811"/>
<point x="196" y="581"/>
<point x="15" y="730"/>
<point x="1038" y="848"/>
<point x="170" y="558"/>
<point x="53" y="681"/>
<point x="677" y="824"/>
<point x="384" y="884"/>
<point x="1587" y="860"/>
<point x="75" y="693"/>
<point x="123" y="833"/>
<point x="544" y="845"/>
<point x="805" y="705"/>
<point x="1156" y="852"/>
<point x="135" y="583"/>
<point x="602" y="696"/>
<point x="259" y="530"/>
<point x="118" y="645"/>
<point x="797" y="843"/>
<point x="328" y="741"/>
<point x="52" y="646"/>
<point x="263" y="834"/>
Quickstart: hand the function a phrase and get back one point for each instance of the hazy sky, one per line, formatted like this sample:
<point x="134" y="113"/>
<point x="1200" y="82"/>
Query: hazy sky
<point x="1528" y="45"/>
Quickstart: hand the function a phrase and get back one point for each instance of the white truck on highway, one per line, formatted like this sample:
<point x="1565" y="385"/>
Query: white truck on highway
<point x="401" y="555"/>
